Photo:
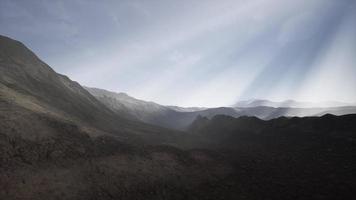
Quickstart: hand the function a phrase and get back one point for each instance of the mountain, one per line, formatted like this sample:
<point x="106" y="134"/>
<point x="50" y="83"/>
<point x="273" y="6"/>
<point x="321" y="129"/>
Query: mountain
<point x="29" y="87"/>
<point x="186" y="109"/>
<point x="290" y="104"/>
<point x="180" y="118"/>
<point x="57" y="141"/>
<point x="149" y="112"/>
<point x="223" y="129"/>
<point x="129" y="106"/>
<point x="266" y="113"/>
<point x="291" y="154"/>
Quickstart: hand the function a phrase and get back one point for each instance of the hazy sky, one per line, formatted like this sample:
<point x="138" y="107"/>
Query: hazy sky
<point x="195" y="52"/>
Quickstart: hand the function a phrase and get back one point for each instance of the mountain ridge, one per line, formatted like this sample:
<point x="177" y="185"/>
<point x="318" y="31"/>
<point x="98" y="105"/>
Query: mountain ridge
<point x="27" y="83"/>
<point x="180" y="118"/>
<point x="57" y="141"/>
<point x="290" y="103"/>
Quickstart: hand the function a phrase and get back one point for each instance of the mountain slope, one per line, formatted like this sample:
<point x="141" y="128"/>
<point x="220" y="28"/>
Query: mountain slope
<point x="30" y="87"/>
<point x="311" y="156"/>
<point x="129" y="106"/>
<point x="59" y="142"/>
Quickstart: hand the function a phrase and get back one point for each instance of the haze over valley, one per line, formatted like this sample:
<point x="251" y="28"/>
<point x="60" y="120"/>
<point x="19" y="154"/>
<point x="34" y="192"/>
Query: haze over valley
<point x="180" y="118"/>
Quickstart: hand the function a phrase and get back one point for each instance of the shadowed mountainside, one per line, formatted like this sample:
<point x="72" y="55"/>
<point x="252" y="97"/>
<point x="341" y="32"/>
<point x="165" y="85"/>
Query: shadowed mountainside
<point x="57" y="141"/>
<point x="30" y="87"/>
<point x="301" y="158"/>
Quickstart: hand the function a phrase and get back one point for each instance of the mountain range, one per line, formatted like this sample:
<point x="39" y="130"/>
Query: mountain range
<point x="290" y="104"/>
<point x="60" y="140"/>
<point x="180" y="118"/>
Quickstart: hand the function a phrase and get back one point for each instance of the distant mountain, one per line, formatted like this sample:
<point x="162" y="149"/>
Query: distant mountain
<point x="290" y="104"/>
<point x="186" y="109"/>
<point x="264" y="112"/>
<point x="153" y="113"/>
<point x="180" y="118"/>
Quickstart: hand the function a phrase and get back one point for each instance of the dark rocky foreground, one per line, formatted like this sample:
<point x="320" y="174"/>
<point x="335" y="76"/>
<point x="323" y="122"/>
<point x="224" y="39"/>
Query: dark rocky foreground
<point x="246" y="158"/>
<point x="72" y="165"/>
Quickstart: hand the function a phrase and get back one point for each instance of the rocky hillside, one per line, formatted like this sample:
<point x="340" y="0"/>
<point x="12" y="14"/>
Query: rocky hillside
<point x="301" y="158"/>
<point x="29" y="87"/>
<point x="57" y="141"/>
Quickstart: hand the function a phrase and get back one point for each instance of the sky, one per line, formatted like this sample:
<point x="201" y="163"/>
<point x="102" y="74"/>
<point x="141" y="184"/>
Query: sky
<point x="195" y="53"/>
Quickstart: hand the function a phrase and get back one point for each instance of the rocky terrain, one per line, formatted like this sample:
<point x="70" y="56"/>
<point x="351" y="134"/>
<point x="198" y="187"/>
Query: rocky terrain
<point x="287" y="158"/>
<point x="58" y="141"/>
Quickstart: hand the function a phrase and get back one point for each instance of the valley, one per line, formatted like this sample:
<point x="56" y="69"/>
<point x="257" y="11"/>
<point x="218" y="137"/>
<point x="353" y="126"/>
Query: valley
<point x="60" y="140"/>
